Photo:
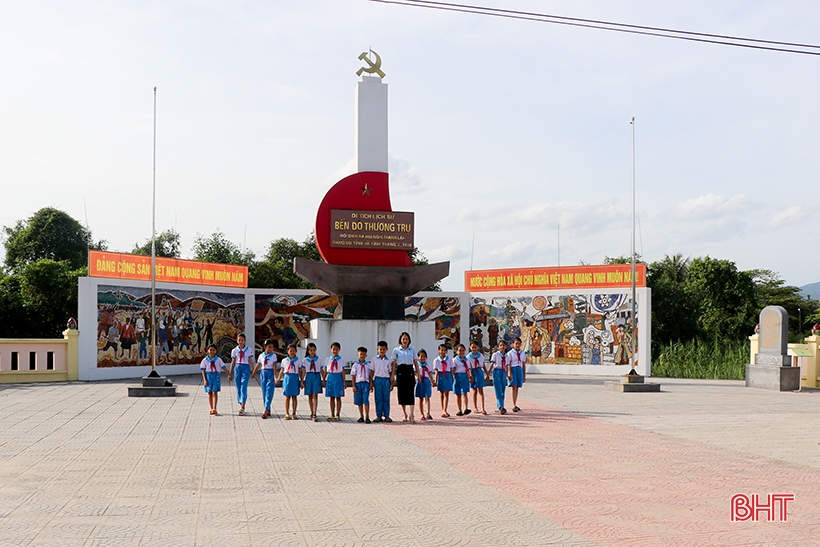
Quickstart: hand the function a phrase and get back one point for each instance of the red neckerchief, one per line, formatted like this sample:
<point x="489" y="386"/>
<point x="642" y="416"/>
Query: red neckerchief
<point x="334" y="365"/>
<point x="312" y="363"/>
<point x="362" y="370"/>
<point x="443" y="364"/>
<point x="292" y="364"/>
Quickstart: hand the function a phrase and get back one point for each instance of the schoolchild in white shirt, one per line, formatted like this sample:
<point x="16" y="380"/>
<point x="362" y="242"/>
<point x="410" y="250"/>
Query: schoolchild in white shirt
<point x="266" y="367"/>
<point x="424" y="386"/>
<point x="500" y="366"/>
<point x="362" y="385"/>
<point x="292" y="375"/>
<point x="517" y="371"/>
<point x="461" y="380"/>
<point x="334" y="376"/>
<point x="384" y="372"/>
<point x="313" y="379"/>
<point x="479" y="379"/>
<point x="443" y="366"/>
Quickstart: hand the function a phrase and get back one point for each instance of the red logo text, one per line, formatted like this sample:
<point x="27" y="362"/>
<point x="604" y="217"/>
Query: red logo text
<point x="774" y="508"/>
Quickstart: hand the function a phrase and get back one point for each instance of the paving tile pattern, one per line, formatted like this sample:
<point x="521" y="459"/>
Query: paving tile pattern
<point x="84" y="465"/>
<point x="584" y="466"/>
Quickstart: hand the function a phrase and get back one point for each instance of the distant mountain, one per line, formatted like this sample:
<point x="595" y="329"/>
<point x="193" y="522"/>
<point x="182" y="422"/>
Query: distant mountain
<point x="811" y="290"/>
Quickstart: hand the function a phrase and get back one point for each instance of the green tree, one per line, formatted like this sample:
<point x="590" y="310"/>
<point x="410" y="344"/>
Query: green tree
<point x="49" y="291"/>
<point x="773" y="291"/>
<point x="275" y="270"/>
<point x="217" y="248"/>
<point x="14" y="316"/>
<point x="726" y="299"/>
<point x="167" y="245"/>
<point x="624" y="259"/>
<point x="48" y="234"/>
<point x="38" y="300"/>
<point x="674" y="311"/>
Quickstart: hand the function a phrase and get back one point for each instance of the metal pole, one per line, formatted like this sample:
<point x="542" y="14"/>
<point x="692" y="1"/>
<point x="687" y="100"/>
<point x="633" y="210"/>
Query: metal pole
<point x="154" y="250"/>
<point x="633" y="317"/>
<point x="472" y="252"/>
<point x="559" y="244"/>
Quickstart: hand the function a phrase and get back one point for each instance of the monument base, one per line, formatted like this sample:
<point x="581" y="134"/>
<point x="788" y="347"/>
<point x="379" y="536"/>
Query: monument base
<point x="354" y="333"/>
<point x="370" y="280"/>
<point x="775" y="378"/>
<point x="633" y="383"/>
<point x="153" y="385"/>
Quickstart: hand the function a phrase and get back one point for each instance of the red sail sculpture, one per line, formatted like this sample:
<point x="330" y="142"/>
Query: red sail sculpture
<point x="366" y="191"/>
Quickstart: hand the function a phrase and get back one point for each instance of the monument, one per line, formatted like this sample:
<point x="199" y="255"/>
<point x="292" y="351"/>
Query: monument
<point x="772" y="367"/>
<point x="365" y="243"/>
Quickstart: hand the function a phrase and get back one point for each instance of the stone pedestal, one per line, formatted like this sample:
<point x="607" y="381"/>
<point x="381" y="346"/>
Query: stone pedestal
<point x="153" y="386"/>
<point x="633" y="383"/>
<point x="772" y="367"/>
<point x="773" y="377"/>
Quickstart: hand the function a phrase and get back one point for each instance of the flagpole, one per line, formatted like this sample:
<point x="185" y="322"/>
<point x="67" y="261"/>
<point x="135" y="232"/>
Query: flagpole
<point x="633" y="318"/>
<point x="154" y="250"/>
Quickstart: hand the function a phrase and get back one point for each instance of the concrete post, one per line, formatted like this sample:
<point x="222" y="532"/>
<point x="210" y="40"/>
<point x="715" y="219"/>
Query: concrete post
<point x="72" y="354"/>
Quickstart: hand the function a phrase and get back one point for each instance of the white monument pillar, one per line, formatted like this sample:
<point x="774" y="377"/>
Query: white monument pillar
<point x="371" y="125"/>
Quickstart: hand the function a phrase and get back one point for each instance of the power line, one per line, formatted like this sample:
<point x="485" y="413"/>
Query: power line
<point x="720" y="39"/>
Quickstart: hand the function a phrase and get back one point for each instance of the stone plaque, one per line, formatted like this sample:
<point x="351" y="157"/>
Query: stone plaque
<point x="774" y="331"/>
<point x="371" y="230"/>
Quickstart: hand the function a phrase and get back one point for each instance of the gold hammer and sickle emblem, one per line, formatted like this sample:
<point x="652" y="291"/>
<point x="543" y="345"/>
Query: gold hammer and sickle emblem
<point x="374" y="67"/>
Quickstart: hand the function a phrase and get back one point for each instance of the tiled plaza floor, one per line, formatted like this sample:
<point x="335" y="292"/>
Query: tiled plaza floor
<point x="82" y="464"/>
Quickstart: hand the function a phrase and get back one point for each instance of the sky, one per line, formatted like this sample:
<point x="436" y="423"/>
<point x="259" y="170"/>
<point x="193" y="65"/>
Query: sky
<point x="499" y="130"/>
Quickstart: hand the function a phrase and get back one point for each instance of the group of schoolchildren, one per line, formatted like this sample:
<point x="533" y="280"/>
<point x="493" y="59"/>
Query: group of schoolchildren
<point x="405" y="369"/>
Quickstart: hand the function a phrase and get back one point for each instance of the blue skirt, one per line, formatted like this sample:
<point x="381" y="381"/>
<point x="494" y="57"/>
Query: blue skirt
<point x="290" y="385"/>
<point x="462" y="384"/>
<point x="424" y="388"/>
<point x="479" y="379"/>
<point x="335" y="385"/>
<point x="444" y="382"/>
<point x="214" y="382"/>
<point x="517" y="377"/>
<point x="313" y="383"/>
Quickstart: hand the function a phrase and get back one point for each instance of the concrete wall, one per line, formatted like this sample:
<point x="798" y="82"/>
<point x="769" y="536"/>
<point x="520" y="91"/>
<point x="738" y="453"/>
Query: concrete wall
<point x="63" y="359"/>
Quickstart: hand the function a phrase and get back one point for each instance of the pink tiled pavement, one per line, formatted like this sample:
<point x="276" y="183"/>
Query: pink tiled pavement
<point x="621" y="486"/>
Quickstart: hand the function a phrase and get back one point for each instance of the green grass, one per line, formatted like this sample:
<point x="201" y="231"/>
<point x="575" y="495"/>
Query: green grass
<point x="700" y="359"/>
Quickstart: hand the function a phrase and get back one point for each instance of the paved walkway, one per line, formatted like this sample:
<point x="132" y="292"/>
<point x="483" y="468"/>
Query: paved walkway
<point x="82" y="464"/>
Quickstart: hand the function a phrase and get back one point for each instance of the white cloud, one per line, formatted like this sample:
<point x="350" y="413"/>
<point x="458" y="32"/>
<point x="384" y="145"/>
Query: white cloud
<point x="789" y="216"/>
<point x="405" y="178"/>
<point x="447" y="252"/>
<point x="712" y="206"/>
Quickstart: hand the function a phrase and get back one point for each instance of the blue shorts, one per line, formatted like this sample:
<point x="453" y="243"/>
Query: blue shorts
<point x="214" y="382"/>
<point x="335" y="385"/>
<point x="362" y="395"/>
<point x="517" y="374"/>
<point x="313" y="383"/>
<point x="462" y="384"/>
<point x="290" y="385"/>
<point x="479" y="379"/>
<point x="424" y="388"/>
<point x="444" y="382"/>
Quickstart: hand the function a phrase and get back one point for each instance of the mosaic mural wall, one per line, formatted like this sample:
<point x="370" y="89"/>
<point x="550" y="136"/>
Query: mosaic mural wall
<point x="187" y="322"/>
<point x="285" y="318"/>
<point x="589" y="329"/>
